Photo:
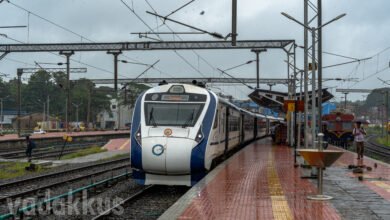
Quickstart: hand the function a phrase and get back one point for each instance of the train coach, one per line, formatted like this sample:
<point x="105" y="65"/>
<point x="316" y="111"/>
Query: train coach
<point x="180" y="132"/>
<point x="338" y="126"/>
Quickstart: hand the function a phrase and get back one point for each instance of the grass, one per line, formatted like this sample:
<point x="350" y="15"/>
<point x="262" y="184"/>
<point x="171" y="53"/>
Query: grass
<point x="374" y="130"/>
<point x="382" y="140"/>
<point x="84" y="152"/>
<point x="10" y="170"/>
<point x="118" y="156"/>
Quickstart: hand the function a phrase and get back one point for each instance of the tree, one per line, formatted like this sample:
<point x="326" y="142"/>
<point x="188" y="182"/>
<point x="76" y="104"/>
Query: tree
<point x="377" y="98"/>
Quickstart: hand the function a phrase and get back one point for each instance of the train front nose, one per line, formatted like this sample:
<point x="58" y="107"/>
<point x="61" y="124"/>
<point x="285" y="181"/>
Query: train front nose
<point x="164" y="155"/>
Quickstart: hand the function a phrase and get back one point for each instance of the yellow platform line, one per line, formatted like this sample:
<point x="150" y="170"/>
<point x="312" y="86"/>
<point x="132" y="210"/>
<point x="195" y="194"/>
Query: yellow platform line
<point x="124" y="145"/>
<point x="280" y="208"/>
<point x="382" y="185"/>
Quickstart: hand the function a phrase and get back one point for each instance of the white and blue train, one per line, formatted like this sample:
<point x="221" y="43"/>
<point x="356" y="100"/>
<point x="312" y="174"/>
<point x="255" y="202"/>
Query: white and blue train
<point x="180" y="131"/>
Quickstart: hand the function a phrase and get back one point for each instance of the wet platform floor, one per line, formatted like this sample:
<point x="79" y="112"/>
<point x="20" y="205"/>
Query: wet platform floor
<point x="261" y="182"/>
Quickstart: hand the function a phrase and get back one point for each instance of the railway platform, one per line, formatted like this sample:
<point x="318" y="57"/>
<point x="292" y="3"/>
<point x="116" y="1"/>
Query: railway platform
<point x="14" y="137"/>
<point x="261" y="182"/>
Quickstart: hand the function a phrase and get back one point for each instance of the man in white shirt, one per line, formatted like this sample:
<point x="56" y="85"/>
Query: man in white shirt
<point x="359" y="132"/>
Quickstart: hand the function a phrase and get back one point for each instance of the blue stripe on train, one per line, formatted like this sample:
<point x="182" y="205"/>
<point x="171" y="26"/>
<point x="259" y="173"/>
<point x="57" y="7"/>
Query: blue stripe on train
<point x="198" y="153"/>
<point x="139" y="177"/>
<point x="136" y="150"/>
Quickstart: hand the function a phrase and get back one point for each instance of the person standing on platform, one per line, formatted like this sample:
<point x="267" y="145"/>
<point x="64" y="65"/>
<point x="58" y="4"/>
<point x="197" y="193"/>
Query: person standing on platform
<point x="30" y="146"/>
<point x="359" y="132"/>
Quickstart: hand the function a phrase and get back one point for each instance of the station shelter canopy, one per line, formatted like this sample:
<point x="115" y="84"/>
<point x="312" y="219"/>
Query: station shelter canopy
<point x="275" y="100"/>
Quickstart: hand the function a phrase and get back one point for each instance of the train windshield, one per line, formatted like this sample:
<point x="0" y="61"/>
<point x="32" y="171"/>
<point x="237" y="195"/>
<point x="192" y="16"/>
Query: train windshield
<point x="172" y="114"/>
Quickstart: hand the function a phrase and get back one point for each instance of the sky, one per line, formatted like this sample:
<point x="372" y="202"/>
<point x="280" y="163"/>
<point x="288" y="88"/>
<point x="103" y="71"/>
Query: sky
<point x="363" y="33"/>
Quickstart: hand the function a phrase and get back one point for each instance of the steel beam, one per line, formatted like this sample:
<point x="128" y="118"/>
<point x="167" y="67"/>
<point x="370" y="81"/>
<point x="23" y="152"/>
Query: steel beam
<point x="54" y="70"/>
<point x="354" y="90"/>
<point x="146" y="45"/>
<point x="189" y="80"/>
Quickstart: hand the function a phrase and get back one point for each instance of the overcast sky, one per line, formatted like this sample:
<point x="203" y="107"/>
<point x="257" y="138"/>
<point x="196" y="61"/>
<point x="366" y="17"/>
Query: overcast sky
<point x="364" y="32"/>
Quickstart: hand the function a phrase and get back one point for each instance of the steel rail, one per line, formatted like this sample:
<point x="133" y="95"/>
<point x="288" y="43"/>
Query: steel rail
<point x="104" y="214"/>
<point x="51" y="175"/>
<point x="51" y="185"/>
<point x="6" y="151"/>
<point x="377" y="149"/>
<point x="20" y="212"/>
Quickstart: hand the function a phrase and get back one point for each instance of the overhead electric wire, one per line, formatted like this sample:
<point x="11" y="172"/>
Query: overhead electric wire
<point x="338" y="55"/>
<point x="66" y="29"/>
<point x="83" y="37"/>
<point x="196" y="53"/>
<point x="151" y="29"/>
<point x="89" y="65"/>
<point x="199" y="56"/>
<point x="204" y="60"/>
<point x="49" y="21"/>
<point x="184" y="59"/>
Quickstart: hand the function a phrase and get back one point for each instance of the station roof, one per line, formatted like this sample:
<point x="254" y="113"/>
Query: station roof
<point x="275" y="100"/>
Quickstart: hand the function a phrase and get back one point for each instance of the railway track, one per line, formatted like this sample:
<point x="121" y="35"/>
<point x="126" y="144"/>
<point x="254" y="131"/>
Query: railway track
<point x="5" y="150"/>
<point x="46" y="208"/>
<point x="47" y="152"/>
<point x="377" y="150"/>
<point x="147" y="203"/>
<point x="132" y="197"/>
<point x="35" y="184"/>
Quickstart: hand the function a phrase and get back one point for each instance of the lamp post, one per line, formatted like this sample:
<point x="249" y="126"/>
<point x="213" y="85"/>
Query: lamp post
<point x="313" y="67"/>
<point x="345" y="100"/>
<point x="77" y="111"/>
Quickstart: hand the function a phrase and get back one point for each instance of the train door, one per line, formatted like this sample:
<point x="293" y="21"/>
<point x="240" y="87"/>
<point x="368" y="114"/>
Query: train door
<point x="255" y="128"/>
<point x="226" y="129"/>
<point x="242" y="138"/>
<point x="268" y="125"/>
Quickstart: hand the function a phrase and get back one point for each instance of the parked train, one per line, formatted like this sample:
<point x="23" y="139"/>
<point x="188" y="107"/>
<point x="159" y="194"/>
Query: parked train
<point x="337" y="127"/>
<point x="181" y="131"/>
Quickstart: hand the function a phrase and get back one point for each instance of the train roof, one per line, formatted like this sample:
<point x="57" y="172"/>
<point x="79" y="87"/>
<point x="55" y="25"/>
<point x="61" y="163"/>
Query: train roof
<point x="189" y="88"/>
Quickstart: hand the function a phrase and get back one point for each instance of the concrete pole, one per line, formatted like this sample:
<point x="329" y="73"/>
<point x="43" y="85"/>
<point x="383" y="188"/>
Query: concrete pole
<point x="387" y="115"/>
<point x="116" y="54"/>
<point x="19" y="73"/>
<point x="1" y="115"/>
<point x="319" y="41"/>
<point x="44" y="114"/>
<point x="306" y="75"/>
<point x="257" y="71"/>
<point x="257" y="52"/>
<point x="345" y="100"/>
<point x="47" y="112"/>
<point x="300" y="114"/>
<point x="77" y="114"/>
<point x="313" y="92"/>
<point x="234" y="22"/>
<point x="68" y="101"/>
<point x="294" y="122"/>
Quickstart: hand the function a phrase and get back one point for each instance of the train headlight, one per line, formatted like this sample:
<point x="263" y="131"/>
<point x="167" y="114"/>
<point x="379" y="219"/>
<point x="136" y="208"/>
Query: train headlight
<point x="138" y="136"/>
<point x="199" y="135"/>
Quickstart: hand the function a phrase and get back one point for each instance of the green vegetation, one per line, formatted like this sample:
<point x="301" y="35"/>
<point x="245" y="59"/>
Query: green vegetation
<point x="382" y="140"/>
<point x="118" y="156"/>
<point x="42" y="85"/>
<point x="374" y="130"/>
<point x="10" y="170"/>
<point x="84" y="152"/>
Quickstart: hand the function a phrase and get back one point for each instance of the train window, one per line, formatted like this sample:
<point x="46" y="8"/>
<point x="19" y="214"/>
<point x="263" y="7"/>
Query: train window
<point x="172" y="114"/>
<point x="347" y="126"/>
<point x="223" y="122"/>
<point x="216" y="120"/>
<point x="248" y="123"/>
<point x="233" y="123"/>
<point x="331" y="126"/>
